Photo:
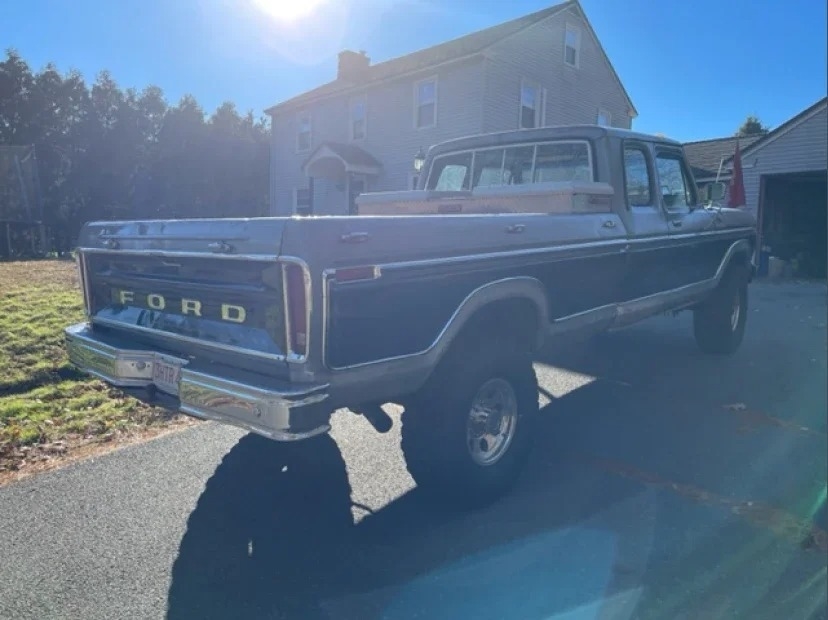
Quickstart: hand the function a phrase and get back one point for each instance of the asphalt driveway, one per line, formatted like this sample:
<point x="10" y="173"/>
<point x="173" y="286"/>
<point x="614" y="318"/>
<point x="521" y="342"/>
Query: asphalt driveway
<point x="665" y="485"/>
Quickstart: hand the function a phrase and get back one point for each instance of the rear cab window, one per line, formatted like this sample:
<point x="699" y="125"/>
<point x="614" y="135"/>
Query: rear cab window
<point x="520" y="164"/>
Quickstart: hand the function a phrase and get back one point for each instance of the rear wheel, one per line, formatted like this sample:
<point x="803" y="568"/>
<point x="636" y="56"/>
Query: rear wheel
<point x="719" y="321"/>
<point x="467" y="434"/>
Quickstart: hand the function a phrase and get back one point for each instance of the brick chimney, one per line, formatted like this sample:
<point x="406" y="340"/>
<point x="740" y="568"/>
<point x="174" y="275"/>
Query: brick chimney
<point x="352" y="65"/>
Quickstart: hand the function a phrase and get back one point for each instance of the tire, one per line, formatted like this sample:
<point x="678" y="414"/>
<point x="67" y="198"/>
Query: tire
<point x="470" y="464"/>
<point x="719" y="321"/>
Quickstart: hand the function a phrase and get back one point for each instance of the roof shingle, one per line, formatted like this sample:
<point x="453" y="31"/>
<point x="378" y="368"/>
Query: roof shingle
<point x="705" y="156"/>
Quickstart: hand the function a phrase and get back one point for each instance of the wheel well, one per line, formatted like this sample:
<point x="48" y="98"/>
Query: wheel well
<point x="741" y="261"/>
<point x="517" y="318"/>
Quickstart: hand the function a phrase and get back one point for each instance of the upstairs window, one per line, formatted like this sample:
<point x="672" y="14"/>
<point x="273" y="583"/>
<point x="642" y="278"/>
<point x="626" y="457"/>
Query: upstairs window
<point x="603" y="118"/>
<point x="303" y="134"/>
<point x="425" y="104"/>
<point x="572" y="46"/>
<point x="358" y="120"/>
<point x="531" y="105"/>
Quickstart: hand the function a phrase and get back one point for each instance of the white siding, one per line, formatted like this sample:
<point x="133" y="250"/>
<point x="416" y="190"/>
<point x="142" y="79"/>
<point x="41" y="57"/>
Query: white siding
<point x="474" y="95"/>
<point x="391" y="136"/>
<point x="803" y="148"/>
<point x="329" y="121"/>
<point x="574" y="95"/>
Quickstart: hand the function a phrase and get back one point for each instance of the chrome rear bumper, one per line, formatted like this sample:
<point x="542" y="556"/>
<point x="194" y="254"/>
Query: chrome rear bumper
<point x="275" y="413"/>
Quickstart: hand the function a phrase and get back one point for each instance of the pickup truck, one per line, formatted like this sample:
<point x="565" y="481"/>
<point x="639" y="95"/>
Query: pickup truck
<point x="434" y="299"/>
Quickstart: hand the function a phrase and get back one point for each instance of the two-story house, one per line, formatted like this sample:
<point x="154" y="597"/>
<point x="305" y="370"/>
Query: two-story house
<point x="362" y="131"/>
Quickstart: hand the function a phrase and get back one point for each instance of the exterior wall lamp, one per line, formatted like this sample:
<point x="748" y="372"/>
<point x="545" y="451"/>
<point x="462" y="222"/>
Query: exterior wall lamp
<point x="419" y="161"/>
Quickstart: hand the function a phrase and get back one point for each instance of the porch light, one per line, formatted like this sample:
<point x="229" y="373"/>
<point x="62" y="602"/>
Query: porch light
<point x="419" y="160"/>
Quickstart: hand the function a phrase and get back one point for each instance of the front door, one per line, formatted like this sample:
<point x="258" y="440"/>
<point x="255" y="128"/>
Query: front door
<point x="693" y="254"/>
<point x="356" y="186"/>
<point x="648" y="269"/>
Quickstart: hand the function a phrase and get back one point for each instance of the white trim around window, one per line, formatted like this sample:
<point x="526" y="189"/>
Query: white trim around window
<point x="358" y="118"/>
<point x="603" y="118"/>
<point x="423" y="98"/>
<point x="572" y="41"/>
<point x="304" y="132"/>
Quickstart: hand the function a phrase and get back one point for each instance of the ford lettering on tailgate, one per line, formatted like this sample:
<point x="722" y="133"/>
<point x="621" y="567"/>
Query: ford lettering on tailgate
<point x="236" y="304"/>
<point x="233" y="313"/>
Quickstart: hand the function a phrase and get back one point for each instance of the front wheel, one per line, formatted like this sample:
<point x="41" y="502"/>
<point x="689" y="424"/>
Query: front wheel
<point x="467" y="435"/>
<point x="719" y="322"/>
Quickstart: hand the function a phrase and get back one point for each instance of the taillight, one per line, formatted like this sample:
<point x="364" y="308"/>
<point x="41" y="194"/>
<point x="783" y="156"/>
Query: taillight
<point x="296" y="309"/>
<point x="81" y="264"/>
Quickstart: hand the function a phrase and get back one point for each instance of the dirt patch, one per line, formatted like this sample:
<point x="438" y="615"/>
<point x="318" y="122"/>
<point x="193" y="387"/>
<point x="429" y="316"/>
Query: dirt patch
<point x="23" y="461"/>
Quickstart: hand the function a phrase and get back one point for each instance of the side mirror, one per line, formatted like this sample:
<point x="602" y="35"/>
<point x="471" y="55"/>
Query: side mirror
<point x="716" y="191"/>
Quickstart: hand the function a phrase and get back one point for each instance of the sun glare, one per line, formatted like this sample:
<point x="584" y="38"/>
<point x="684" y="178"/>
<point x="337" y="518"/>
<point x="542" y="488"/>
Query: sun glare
<point x="288" y="10"/>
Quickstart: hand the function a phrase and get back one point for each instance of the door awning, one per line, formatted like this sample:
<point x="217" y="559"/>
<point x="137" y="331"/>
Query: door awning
<point x="351" y="158"/>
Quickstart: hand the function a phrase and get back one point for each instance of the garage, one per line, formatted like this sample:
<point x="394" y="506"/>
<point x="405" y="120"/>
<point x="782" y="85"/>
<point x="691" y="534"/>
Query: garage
<point x="793" y="222"/>
<point x="785" y="175"/>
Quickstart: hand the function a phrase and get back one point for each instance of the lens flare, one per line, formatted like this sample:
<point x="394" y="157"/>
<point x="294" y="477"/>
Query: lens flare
<point x="288" y="10"/>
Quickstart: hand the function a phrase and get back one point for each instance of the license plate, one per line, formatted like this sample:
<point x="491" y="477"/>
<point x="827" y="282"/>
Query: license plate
<point x="165" y="376"/>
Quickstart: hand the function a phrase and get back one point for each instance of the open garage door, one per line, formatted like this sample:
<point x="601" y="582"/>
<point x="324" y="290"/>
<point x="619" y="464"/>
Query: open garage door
<point x="792" y="213"/>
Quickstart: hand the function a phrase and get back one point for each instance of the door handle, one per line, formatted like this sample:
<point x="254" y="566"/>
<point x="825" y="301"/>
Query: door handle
<point x="608" y="224"/>
<point x="677" y="223"/>
<point x="516" y="228"/>
<point x="355" y="237"/>
<point x="220" y="247"/>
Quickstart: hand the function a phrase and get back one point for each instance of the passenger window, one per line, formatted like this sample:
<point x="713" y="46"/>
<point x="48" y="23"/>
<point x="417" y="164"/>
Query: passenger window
<point x="676" y="189"/>
<point x="488" y="168"/>
<point x="450" y="173"/>
<point x="637" y="175"/>
<point x="563" y="161"/>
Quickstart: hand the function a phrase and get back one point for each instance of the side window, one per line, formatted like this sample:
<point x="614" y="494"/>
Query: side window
<point x="358" y="120"/>
<point x="530" y="105"/>
<point x="563" y="161"/>
<point x="488" y="168"/>
<point x="637" y="177"/>
<point x="301" y="201"/>
<point x="676" y="189"/>
<point x="450" y="173"/>
<point x="572" y="46"/>
<point x="517" y="165"/>
<point x="303" y="134"/>
<point x="425" y="104"/>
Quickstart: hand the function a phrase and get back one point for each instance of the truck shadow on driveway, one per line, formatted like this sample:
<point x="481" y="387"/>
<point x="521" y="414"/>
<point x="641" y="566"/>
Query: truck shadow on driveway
<point x="264" y="542"/>
<point x="273" y="533"/>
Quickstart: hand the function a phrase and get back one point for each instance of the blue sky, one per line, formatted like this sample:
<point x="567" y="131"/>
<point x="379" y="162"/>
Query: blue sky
<point x="694" y="69"/>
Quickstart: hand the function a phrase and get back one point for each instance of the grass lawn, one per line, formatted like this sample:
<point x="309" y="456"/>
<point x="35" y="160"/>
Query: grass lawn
<point x="42" y="399"/>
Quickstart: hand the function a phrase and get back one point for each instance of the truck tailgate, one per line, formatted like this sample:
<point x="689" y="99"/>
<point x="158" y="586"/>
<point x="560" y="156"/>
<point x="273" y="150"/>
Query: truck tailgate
<point x="201" y="287"/>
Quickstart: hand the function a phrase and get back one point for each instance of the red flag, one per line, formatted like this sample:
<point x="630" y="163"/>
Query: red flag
<point x="736" y="191"/>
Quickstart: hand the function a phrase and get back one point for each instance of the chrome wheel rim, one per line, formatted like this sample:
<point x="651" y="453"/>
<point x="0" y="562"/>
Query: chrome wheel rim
<point x="735" y="312"/>
<point x="492" y="422"/>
